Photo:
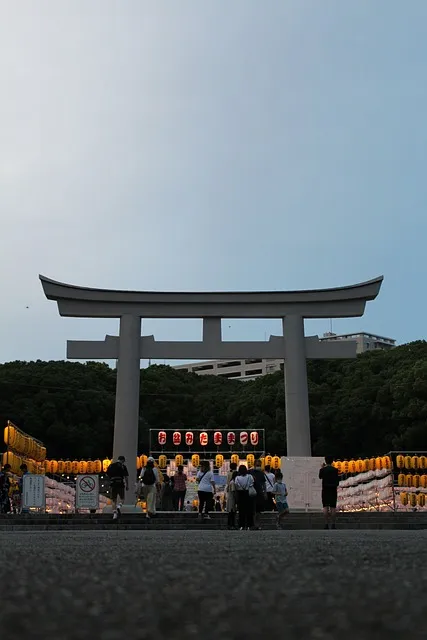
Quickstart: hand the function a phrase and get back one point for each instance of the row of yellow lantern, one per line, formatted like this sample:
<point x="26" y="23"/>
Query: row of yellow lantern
<point x="23" y="444"/>
<point x="76" y="466"/>
<point x="413" y="499"/>
<point x="411" y="462"/>
<point x="16" y="461"/>
<point x="359" y="466"/>
<point x="412" y="480"/>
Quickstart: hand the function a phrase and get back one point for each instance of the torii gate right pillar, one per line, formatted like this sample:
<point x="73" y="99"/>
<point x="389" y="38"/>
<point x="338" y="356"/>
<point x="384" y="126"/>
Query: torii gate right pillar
<point x="298" y="437"/>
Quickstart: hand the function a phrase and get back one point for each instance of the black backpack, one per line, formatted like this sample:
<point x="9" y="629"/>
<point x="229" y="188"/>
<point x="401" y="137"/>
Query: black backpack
<point x="149" y="477"/>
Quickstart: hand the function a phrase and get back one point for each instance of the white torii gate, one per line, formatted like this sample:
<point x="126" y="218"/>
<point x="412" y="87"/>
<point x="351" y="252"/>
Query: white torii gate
<point x="130" y="347"/>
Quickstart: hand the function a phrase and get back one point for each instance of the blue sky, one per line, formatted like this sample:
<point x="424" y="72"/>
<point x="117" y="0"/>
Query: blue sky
<point x="211" y="145"/>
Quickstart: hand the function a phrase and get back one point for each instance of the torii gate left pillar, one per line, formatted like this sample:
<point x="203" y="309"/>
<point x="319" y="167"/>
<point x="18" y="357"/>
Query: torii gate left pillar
<point x="126" y="418"/>
<point x="130" y="306"/>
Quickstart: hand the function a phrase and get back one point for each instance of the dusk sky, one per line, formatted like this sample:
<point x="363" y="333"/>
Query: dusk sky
<point x="187" y="145"/>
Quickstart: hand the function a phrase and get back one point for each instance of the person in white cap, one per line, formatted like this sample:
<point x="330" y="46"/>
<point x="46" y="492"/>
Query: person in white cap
<point x="150" y="480"/>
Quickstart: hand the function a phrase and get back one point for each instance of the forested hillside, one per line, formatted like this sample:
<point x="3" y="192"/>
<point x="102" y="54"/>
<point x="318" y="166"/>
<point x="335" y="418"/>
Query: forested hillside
<point x="369" y="405"/>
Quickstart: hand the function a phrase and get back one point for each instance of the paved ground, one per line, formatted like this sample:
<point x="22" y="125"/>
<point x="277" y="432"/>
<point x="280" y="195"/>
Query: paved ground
<point x="213" y="584"/>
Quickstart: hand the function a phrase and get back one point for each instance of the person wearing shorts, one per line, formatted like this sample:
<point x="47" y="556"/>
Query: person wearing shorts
<point x="280" y="492"/>
<point x="330" y="480"/>
<point x="119" y="482"/>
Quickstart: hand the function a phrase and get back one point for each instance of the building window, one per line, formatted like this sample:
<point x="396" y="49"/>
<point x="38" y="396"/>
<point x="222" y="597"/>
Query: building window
<point x="232" y="374"/>
<point x="234" y="363"/>
<point x="253" y="372"/>
<point x="203" y="367"/>
<point x="253" y="361"/>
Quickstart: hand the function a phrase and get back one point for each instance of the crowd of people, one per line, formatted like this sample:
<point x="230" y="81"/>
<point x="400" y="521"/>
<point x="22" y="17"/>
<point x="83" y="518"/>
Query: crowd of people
<point x="11" y="489"/>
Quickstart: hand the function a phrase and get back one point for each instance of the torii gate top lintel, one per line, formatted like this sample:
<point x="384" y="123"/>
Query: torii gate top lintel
<point x="339" y="302"/>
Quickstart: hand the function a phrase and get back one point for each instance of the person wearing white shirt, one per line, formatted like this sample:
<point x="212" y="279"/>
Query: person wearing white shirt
<point x="270" y="480"/>
<point x="206" y="490"/>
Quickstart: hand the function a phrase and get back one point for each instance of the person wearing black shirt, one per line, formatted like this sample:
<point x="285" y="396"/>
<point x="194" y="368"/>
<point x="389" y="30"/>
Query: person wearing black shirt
<point x="259" y="483"/>
<point x="119" y="480"/>
<point x="330" y="480"/>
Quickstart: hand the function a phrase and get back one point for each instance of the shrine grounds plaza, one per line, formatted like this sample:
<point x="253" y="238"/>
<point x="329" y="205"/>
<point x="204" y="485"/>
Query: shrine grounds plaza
<point x="213" y="584"/>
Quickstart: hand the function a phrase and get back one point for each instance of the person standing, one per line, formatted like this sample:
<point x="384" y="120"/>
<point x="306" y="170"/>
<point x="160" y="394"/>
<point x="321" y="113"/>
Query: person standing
<point x="119" y="482"/>
<point x="260" y="498"/>
<point x="24" y="471"/>
<point x="150" y="481"/>
<point x="179" y="489"/>
<point x="5" y="474"/>
<point x="330" y="481"/>
<point x="206" y="489"/>
<point x="231" y="503"/>
<point x="166" y="500"/>
<point x="280" y="492"/>
<point x="244" y="484"/>
<point x="270" y="481"/>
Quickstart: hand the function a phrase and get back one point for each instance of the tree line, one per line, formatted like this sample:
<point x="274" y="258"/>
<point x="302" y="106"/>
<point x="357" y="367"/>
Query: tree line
<point x="362" y="407"/>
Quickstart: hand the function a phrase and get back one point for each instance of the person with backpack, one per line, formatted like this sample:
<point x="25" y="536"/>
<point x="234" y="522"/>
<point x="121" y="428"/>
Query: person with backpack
<point x="150" y="481"/>
<point x="119" y="481"/>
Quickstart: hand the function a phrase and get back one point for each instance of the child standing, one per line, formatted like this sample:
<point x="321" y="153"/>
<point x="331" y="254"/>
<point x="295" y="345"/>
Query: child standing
<point x="280" y="492"/>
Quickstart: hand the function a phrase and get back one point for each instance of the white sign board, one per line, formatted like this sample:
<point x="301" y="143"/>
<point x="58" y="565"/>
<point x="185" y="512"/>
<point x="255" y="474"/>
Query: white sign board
<point x="33" y="491"/>
<point x="87" y="492"/>
<point x="301" y="476"/>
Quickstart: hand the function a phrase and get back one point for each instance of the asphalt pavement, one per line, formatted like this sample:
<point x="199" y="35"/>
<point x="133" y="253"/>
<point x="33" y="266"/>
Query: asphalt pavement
<point x="172" y="585"/>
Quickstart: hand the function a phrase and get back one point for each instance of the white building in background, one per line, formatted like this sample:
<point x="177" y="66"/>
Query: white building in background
<point x="252" y="368"/>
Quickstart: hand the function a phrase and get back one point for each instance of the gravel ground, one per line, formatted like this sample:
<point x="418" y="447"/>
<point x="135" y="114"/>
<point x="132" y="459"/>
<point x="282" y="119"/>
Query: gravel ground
<point x="213" y="584"/>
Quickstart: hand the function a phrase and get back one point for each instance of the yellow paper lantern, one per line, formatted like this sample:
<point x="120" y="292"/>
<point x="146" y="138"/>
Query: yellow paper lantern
<point x="360" y="466"/>
<point x="344" y="466"/>
<point x="97" y="466"/>
<point x="195" y="460"/>
<point x="378" y="463"/>
<point x="400" y="462"/>
<point x="219" y="460"/>
<point x="276" y="462"/>
<point x="61" y="466"/>
<point x="54" y="466"/>
<point x="423" y="481"/>
<point x="143" y="459"/>
<point x="90" y="467"/>
<point x="386" y="462"/>
<point x="68" y="466"/>
<point x="268" y="461"/>
<point x="338" y="466"/>
<point x="75" y="466"/>
<point x="408" y="480"/>
<point x="414" y="462"/>
<point x="250" y="460"/>
<point x="235" y="458"/>
<point x="412" y="499"/>
<point x="178" y="460"/>
<point x="82" y="466"/>
<point x="404" y="498"/>
<point x="422" y="461"/>
<point x="416" y="480"/>
<point x="138" y="463"/>
<point x="421" y="499"/>
<point x="163" y="461"/>
<point x="401" y="479"/>
<point x="408" y="462"/>
<point x="10" y="435"/>
<point x="105" y="464"/>
<point x="47" y="466"/>
<point x="352" y="466"/>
